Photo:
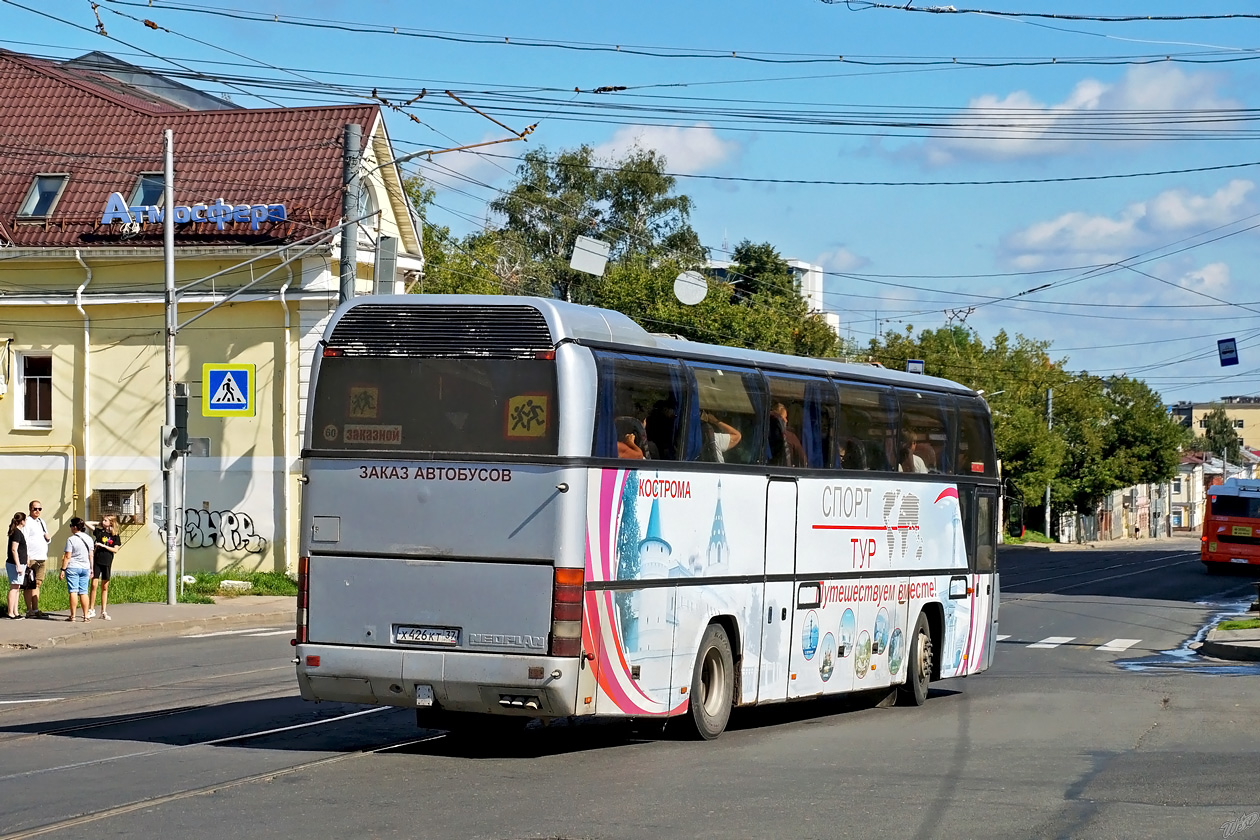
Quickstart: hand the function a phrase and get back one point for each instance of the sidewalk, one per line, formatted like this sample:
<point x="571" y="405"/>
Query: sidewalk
<point x="1241" y="645"/>
<point x="135" y="620"/>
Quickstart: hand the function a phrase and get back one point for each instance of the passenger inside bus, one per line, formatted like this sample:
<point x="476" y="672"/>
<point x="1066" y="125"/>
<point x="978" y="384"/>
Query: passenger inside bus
<point x="908" y="460"/>
<point x="662" y="429"/>
<point x="719" y="437"/>
<point x="631" y="438"/>
<point x="786" y="449"/>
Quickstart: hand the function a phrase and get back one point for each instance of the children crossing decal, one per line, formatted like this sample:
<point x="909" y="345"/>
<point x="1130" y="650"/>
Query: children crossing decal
<point x="228" y="390"/>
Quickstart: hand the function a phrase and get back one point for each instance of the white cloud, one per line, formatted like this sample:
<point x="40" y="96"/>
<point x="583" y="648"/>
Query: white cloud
<point x="1019" y="126"/>
<point x="1212" y="278"/>
<point x="841" y="259"/>
<point x="686" y="149"/>
<point x="1079" y="238"/>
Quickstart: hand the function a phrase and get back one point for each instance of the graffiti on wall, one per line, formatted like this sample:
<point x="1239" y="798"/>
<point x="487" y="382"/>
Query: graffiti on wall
<point x="228" y="530"/>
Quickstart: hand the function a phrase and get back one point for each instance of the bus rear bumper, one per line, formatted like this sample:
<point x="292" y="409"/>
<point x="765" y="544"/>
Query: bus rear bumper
<point x="453" y="680"/>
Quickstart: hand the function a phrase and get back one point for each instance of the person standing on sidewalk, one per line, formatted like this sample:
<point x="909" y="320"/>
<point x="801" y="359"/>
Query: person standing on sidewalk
<point x="37" y="540"/>
<point x="107" y="544"/>
<point x="15" y="563"/>
<point x="76" y="565"/>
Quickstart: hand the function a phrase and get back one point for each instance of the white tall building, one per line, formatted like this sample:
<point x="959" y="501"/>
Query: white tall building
<point x="809" y="279"/>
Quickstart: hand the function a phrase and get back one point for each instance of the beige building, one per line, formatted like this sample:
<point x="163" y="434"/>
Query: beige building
<point x="1243" y="411"/>
<point x="82" y="312"/>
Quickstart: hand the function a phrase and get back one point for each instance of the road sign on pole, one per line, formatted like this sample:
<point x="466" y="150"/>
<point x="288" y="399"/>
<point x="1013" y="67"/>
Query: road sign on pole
<point x="228" y="391"/>
<point x="1228" y="350"/>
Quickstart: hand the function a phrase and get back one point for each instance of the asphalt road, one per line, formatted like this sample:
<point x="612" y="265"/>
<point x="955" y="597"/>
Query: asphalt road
<point x="1095" y="722"/>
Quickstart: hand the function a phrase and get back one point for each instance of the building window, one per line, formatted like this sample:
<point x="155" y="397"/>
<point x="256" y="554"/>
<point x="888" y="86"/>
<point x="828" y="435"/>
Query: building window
<point x="1177" y="486"/>
<point x="35" y="386"/>
<point x="1176" y="519"/>
<point x="1238" y="424"/>
<point x="1202" y="423"/>
<point x="42" y="197"/>
<point x="148" y="191"/>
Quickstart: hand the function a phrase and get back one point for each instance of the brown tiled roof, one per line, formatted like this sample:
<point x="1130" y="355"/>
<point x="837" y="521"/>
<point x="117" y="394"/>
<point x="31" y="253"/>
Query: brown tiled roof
<point x="54" y="121"/>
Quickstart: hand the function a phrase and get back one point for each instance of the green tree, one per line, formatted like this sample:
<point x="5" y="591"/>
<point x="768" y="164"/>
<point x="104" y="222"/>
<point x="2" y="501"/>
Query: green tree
<point x="1219" y="436"/>
<point x="629" y="203"/>
<point x="759" y="269"/>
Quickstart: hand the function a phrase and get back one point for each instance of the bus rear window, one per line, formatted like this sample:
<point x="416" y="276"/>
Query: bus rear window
<point x="491" y="406"/>
<point x="1239" y="506"/>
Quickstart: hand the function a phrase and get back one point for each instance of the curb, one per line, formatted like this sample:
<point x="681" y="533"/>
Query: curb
<point x="1246" y="650"/>
<point x="164" y="628"/>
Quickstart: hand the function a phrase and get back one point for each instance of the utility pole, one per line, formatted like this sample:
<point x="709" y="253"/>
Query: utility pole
<point x="1049" y="425"/>
<point x="349" y="210"/>
<point x="168" y="429"/>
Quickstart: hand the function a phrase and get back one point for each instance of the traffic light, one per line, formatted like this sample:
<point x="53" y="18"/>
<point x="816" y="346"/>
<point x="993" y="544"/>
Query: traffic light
<point x="181" y="417"/>
<point x="167" y="443"/>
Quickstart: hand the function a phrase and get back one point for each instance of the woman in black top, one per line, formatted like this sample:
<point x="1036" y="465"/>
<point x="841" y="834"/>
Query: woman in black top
<point x="15" y="562"/>
<point x="107" y="544"/>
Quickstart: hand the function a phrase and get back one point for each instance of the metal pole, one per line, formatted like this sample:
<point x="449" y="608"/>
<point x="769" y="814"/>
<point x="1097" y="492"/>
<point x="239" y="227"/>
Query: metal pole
<point x="1049" y="425"/>
<point x="168" y="270"/>
<point x="349" y="210"/>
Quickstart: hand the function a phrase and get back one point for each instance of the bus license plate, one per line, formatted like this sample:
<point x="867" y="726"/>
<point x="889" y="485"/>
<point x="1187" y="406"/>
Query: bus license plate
<point x="1241" y="531"/>
<point x="412" y="635"/>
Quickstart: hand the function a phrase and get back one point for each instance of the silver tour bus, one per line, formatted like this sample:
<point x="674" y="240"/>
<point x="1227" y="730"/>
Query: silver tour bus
<point x="519" y="508"/>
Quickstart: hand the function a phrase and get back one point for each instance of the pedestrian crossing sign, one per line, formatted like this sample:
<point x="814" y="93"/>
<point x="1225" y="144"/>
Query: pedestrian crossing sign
<point x="228" y="391"/>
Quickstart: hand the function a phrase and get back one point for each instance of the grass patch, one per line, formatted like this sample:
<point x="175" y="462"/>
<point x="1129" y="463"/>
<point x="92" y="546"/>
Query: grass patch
<point x="1240" y="624"/>
<point x="150" y="588"/>
<point x="1029" y="538"/>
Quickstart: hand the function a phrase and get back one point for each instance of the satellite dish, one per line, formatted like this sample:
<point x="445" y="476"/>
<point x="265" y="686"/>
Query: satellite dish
<point x="690" y="287"/>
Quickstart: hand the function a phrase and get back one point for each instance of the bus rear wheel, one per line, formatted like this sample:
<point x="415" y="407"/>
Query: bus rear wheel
<point x="712" y="684"/>
<point x="915" y="690"/>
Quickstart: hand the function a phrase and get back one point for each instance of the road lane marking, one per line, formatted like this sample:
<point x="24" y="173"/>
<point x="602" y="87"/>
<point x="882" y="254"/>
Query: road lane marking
<point x="229" y="632"/>
<point x="1052" y="642"/>
<point x="210" y="743"/>
<point x="1119" y="645"/>
<point x="33" y="700"/>
<point x="265" y="776"/>
<point x="1003" y="638"/>
<point x="273" y="633"/>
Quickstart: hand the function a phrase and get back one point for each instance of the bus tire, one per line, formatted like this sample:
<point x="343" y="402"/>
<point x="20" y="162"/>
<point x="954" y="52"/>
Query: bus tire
<point x="919" y="667"/>
<point x="712" y="684"/>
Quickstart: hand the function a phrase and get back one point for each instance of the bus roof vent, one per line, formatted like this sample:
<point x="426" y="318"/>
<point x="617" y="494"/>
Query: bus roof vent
<point x="497" y="332"/>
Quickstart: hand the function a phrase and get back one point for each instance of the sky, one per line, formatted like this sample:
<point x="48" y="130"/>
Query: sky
<point x="1083" y="182"/>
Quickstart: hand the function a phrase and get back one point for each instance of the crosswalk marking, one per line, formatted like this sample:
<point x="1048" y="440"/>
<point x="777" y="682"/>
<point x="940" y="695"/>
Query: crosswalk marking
<point x="1052" y="641"/>
<point x="273" y="633"/>
<point x="229" y="632"/>
<point x="1119" y="645"/>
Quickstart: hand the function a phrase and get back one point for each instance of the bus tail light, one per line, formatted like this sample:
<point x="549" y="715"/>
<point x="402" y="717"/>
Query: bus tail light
<point x="566" y="612"/>
<point x="303" y="597"/>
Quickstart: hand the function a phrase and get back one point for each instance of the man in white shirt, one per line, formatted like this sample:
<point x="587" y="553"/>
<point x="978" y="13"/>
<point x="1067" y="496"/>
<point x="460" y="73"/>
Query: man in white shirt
<point x="723" y="436"/>
<point x="37" y="540"/>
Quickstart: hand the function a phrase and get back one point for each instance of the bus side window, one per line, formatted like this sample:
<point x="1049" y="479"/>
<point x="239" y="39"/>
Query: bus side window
<point x="800" y="422"/>
<point x="975" y="442"/>
<point x="729" y="420"/>
<point x="925" y="444"/>
<point x="867" y="427"/>
<point x="639" y="408"/>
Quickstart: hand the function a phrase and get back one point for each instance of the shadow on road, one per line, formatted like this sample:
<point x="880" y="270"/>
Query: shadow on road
<point x="291" y="724"/>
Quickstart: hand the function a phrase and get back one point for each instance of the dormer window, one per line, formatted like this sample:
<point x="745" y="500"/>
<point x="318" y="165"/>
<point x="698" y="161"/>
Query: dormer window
<point x="42" y="198"/>
<point x="148" y="191"/>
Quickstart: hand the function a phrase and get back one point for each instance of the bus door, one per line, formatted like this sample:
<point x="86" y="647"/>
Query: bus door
<point x="971" y="611"/>
<point x="984" y="568"/>
<point x="777" y="603"/>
